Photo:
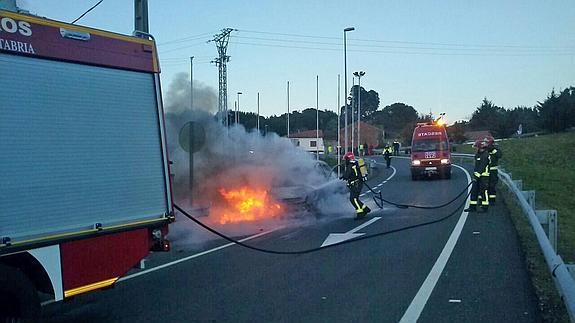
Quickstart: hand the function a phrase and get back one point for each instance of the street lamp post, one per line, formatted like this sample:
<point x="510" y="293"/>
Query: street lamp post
<point x="352" y="116"/>
<point x="338" y="127"/>
<point x="317" y="117"/>
<point x="345" y="78"/>
<point x="359" y="75"/>
<point x="238" y="109"/>
<point x="288" y="109"/>
<point x="258" y="121"/>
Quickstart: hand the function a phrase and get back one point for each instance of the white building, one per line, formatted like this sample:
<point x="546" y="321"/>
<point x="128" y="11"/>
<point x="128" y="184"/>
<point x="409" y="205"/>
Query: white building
<point x="309" y="141"/>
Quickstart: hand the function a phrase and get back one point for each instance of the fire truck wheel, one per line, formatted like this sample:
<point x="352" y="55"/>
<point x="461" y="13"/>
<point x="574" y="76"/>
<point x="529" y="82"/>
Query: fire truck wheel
<point x="23" y="304"/>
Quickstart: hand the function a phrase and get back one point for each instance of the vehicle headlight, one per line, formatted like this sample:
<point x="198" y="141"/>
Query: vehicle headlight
<point x="416" y="162"/>
<point x="445" y="161"/>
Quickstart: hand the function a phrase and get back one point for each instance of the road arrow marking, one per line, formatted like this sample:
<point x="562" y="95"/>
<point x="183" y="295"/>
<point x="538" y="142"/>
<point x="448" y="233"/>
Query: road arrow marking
<point x="334" y="238"/>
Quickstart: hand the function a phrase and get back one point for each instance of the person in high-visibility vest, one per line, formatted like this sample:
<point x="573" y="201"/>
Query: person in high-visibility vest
<point x="387" y="152"/>
<point x="479" y="189"/>
<point x="494" y="156"/>
<point x="352" y="175"/>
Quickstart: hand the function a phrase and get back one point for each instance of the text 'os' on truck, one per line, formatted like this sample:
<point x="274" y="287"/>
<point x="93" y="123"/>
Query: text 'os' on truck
<point x="85" y="189"/>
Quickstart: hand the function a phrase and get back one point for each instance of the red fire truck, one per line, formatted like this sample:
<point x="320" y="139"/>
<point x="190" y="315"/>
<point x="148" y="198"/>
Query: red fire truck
<point x="430" y="153"/>
<point x="85" y="188"/>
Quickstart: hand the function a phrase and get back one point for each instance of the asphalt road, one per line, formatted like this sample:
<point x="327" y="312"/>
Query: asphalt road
<point x="466" y="268"/>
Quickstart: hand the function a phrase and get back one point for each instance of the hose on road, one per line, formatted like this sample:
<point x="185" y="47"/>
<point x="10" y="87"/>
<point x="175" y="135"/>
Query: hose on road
<point x="305" y="251"/>
<point x="378" y="195"/>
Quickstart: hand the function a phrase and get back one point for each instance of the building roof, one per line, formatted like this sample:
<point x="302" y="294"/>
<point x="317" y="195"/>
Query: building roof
<point x="307" y="134"/>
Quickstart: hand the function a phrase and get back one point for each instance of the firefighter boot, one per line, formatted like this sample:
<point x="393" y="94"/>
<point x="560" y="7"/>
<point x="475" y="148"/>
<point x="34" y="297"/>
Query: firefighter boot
<point x="470" y="209"/>
<point x="359" y="216"/>
<point x="366" y="209"/>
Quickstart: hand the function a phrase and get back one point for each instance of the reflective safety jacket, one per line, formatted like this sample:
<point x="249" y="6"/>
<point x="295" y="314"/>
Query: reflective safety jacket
<point x="387" y="152"/>
<point x="352" y="174"/>
<point x="481" y="164"/>
<point x="494" y="156"/>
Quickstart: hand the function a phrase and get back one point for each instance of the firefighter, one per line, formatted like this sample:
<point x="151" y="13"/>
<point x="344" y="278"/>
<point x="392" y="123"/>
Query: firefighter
<point x="479" y="189"/>
<point x="387" y="152"/>
<point x="396" y="148"/>
<point x="494" y="156"/>
<point x="352" y="175"/>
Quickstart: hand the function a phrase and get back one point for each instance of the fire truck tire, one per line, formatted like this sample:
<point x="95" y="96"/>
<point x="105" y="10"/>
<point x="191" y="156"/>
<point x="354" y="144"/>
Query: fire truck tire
<point x="23" y="303"/>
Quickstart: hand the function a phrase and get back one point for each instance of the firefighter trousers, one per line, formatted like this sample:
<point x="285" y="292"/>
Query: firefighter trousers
<point x="354" y="192"/>
<point x="479" y="193"/>
<point x="493" y="179"/>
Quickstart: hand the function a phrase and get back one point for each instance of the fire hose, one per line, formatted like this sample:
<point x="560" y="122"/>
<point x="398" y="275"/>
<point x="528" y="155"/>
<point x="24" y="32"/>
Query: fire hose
<point x="378" y="195"/>
<point x="305" y="251"/>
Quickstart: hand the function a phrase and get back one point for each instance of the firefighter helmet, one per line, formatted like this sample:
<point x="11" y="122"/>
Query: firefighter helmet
<point x="490" y="140"/>
<point x="349" y="156"/>
<point x="481" y="143"/>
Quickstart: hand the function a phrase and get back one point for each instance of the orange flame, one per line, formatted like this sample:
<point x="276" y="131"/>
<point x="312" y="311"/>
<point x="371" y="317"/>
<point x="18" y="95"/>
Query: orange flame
<point x="246" y="204"/>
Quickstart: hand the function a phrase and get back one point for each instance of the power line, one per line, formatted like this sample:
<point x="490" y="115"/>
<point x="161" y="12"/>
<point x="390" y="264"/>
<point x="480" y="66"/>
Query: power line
<point x="408" y="42"/>
<point x="86" y="12"/>
<point x="183" y="47"/>
<point x="185" y="39"/>
<point x="411" y="52"/>
<point x="339" y="45"/>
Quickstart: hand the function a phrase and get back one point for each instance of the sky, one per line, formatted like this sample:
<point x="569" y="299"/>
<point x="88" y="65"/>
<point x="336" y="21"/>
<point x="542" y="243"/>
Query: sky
<point x="438" y="56"/>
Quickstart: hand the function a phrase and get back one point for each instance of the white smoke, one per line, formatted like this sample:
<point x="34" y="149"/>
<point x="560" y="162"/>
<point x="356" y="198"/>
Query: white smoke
<point x="232" y="157"/>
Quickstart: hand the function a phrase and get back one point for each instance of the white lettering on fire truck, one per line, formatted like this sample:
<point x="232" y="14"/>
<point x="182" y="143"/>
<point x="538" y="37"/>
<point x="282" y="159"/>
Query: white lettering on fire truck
<point x="12" y="26"/>
<point x="431" y="133"/>
<point x="16" y="46"/>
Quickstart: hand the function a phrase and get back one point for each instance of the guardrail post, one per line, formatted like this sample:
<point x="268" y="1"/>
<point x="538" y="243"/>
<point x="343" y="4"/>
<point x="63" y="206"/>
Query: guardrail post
<point x="530" y="197"/>
<point x="549" y="217"/>
<point x="553" y="228"/>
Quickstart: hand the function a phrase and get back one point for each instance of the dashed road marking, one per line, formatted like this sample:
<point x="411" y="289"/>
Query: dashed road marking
<point x="418" y="303"/>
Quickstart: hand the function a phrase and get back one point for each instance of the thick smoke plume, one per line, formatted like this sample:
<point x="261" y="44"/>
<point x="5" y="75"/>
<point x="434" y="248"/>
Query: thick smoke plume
<point x="233" y="157"/>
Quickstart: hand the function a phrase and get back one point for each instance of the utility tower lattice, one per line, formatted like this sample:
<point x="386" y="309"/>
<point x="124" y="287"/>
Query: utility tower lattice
<point x="221" y="41"/>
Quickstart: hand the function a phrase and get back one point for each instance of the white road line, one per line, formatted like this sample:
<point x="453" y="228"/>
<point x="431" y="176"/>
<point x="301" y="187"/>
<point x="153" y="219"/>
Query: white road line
<point x="418" y="303"/>
<point x="169" y="264"/>
<point x="385" y="181"/>
<point x="363" y="225"/>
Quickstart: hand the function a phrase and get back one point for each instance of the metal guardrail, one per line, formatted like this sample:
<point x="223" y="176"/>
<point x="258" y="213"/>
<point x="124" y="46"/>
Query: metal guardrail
<point x="563" y="275"/>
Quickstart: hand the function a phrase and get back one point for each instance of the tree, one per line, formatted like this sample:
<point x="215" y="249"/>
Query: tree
<point x="524" y="116"/>
<point x="369" y="104"/>
<point x="396" y="117"/>
<point x="456" y="131"/>
<point x="488" y="117"/>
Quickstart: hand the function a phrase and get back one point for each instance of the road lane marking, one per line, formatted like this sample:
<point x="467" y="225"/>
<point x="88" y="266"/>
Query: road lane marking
<point x="418" y="303"/>
<point x="203" y="253"/>
<point x="385" y="181"/>
<point x="370" y="222"/>
<point x="334" y="238"/>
